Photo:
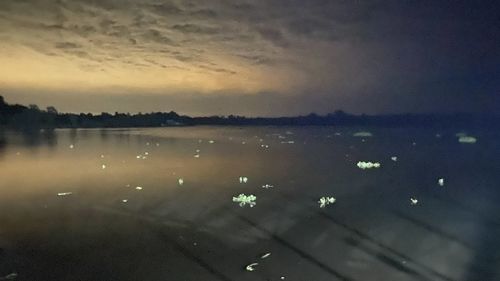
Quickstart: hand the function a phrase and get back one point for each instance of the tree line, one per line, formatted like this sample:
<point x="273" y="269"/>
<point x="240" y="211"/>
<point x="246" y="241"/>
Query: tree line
<point x="17" y="116"/>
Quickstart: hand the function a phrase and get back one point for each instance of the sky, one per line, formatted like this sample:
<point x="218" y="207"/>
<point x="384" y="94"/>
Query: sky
<point x="251" y="57"/>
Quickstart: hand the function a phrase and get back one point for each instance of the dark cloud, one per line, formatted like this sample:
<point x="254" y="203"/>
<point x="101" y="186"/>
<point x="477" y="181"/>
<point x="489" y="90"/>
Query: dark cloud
<point x="67" y="45"/>
<point x="194" y="28"/>
<point x="165" y="9"/>
<point x="120" y="31"/>
<point x="215" y="68"/>
<point x="258" y="59"/>
<point x="204" y="13"/>
<point x="143" y="21"/>
<point x="106" y="23"/>
<point x="52" y="26"/>
<point x="184" y="58"/>
<point x="108" y="5"/>
<point x="274" y="36"/>
<point x="154" y="35"/>
<point x="79" y="53"/>
<point x="82" y="30"/>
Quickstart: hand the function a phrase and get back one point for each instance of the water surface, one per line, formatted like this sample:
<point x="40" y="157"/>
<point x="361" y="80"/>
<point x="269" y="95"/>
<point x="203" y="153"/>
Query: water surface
<point x="105" y="228"/>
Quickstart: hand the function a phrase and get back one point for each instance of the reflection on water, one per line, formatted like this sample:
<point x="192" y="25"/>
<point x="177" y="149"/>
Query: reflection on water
<point x="157" y="204"/>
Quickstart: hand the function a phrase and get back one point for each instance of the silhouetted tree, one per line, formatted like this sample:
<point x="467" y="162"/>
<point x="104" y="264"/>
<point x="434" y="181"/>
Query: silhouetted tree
<point x="52" y="110"/>
<point x="34" y="107"/>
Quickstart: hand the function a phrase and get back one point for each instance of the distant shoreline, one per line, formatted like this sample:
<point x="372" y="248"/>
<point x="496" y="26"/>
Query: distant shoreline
<point x="26" y="117"/>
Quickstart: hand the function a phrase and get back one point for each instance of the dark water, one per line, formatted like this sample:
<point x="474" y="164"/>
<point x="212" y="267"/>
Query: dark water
<point x="167" y="231"/>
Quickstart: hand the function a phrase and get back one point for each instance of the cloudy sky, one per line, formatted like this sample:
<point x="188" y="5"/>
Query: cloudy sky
<point x="251" y="57"/>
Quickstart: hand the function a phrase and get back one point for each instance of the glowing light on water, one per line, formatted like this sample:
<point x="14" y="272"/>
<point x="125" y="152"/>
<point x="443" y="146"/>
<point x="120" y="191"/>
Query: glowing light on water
<point x="441" y="182"/>
<point x="251" y="267"/>
<point x="64" y="193"/>
<point x="12" y="276"/>
<point x="363" y="134"/>
<point x="265" y="255"/>
<point x="243" y="200"/>
<point x="467" y="139"/>
<point x="368" y="165"/>
<point x="413" y="201"/>
<point x="325" y="201"/>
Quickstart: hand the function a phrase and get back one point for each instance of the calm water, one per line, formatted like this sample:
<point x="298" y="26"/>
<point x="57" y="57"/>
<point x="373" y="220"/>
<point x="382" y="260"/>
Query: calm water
<point x="105" y="228"/>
